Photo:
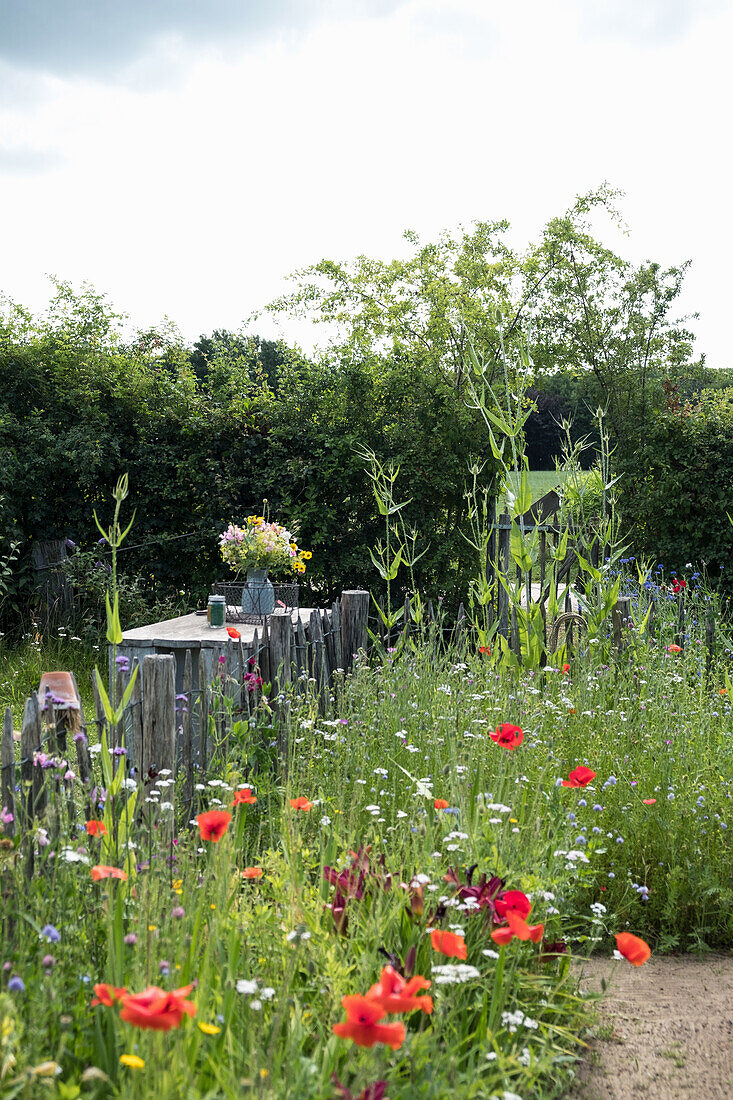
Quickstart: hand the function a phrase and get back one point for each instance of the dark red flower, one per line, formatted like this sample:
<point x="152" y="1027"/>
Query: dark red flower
<point x="375" y="1091"/>
<point x="678" y="585"/>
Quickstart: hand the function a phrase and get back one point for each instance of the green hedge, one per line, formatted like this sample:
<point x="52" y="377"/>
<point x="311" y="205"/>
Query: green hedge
<point x="78" y="408"/>
<point x="676" y="485"/>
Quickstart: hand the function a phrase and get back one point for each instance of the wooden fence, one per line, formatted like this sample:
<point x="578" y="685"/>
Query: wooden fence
<point x="165" y="730"/>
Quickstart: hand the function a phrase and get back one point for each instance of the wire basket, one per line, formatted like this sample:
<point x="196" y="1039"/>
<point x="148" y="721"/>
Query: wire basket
<point x="252" y="603"/>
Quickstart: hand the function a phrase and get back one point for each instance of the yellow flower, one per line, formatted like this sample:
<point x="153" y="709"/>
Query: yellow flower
<point x="264" y="1073"/>
<point x="307" y="554"/>
<point x="152" y="928"/>
<point x="209" y="1029"/>
<point x="132" y="1061"/>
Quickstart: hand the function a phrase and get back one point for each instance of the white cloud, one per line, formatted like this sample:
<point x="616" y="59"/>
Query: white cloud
<point x="193" y="193"/>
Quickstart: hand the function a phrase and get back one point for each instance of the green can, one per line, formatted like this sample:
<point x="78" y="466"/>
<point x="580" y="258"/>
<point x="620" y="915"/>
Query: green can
<point x="217" y="615"/>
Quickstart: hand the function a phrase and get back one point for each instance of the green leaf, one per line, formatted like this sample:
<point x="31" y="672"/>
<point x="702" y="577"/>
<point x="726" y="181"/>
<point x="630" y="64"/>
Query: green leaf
<point x="125" y="697"/>
<point x="104" y="698"/>
<point x="114" y="630"/>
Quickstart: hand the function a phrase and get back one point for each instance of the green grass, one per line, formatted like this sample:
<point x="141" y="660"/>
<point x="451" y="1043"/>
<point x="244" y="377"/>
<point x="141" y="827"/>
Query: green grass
<point x="540" y="482"/>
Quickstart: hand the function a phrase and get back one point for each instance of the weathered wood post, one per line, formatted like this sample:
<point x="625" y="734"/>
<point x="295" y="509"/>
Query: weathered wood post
<point x="620" y="619"/>
<point x="83" y="759"/>
<point x="204" y="677"/>
<point x="187" y="733"/>
<point x="30" y="743"/>
<point x="7" y="777"/>
<point x="158" y="748"/>
<point x="354" y="615"/>
<point x="281" y="637"/>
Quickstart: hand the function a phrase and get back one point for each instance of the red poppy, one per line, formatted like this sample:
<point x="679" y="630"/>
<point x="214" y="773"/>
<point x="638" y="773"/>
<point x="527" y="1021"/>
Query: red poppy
<point x="517" y="927"/>
<point x="103" y="871"/>
<point x="362" y="1024"/>
<point x="301" y="803"/>
<point x="96" y="828"/>
<point x="678" y="585"/>
<point x="579" y="777"/>
<point x="441" y="804"/>
<point x="514" y="900"/>
<point x="508" y="736"/>
<point x="244" y="797"/>
<point x="448" y="943"/>
<point x="485" y="649"/>
<point x="108" y="995"/>
<point x="633" y="948"/>
<point x="156" y="1009"/>
<point x="233" y="633"/>
<point x="648" y="801"/>
<point x="213" y="824"/>
<point x="566" y="668"/>
<point x="723" y="691"/>
<point x="674" y="648"/>
<point x="252" y="872"/>
<point x="394" y="994"/>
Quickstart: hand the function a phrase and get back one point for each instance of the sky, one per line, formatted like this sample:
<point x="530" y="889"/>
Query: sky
<point x="184" y="158"/>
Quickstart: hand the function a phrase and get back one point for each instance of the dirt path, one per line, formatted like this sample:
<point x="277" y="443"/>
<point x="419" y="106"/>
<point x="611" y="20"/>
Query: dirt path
<point x="664" y="1031"/>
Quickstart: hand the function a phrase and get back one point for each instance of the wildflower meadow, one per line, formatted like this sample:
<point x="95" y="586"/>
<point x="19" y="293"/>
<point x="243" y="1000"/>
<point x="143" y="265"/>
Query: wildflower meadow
<point x="391" y="911"/>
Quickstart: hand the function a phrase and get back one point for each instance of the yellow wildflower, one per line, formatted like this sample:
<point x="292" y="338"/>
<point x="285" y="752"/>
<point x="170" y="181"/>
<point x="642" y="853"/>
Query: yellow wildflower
<point x="132" y="1061"/>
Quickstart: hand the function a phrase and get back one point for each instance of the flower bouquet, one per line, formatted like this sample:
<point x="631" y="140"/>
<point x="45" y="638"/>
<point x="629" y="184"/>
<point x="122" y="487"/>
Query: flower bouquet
<point x="262" y="545"/>
<point x="259" y="547"/>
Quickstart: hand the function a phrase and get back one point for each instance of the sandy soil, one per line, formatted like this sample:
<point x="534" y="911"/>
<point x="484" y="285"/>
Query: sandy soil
<point x="665" y="1030"/>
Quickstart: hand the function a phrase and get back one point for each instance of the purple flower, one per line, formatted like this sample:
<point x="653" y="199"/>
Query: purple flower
<point x="81" y="737"/>
<point x="178" y="912"/>
<point x="16" y="985"/>
<point x="119" y="751"/>
<point x="48" y="961"/>
<point x="70" y="545"/>
<point x="130" y="939"/>
<point x="6" y="817"/>
<point x="52" y="934"/>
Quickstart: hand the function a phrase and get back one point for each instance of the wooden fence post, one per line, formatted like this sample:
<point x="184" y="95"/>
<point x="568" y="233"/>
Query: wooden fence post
<point x="159" y="720"/>
<point x="620" y="619"/>
<point x="354" y="615"/>
<point x="281" y="636"/>
<point x="281" y="639"/>
<point x="186" y="730"/>
<point x="204" y="677"/>
<point x="7" y="763"/>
